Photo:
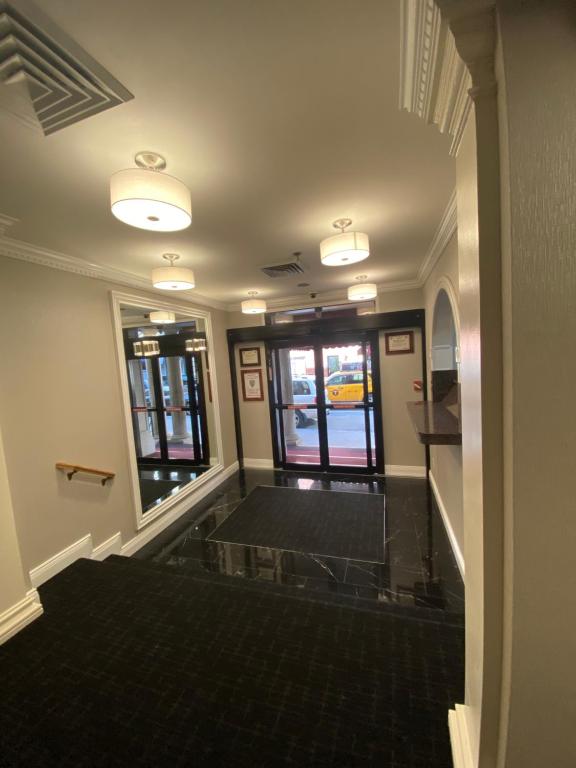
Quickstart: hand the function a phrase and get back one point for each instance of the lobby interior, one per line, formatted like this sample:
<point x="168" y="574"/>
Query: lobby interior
<point x="285" y="450"/>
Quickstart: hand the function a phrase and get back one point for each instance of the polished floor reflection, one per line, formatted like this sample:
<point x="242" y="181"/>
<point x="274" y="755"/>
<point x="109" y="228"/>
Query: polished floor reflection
<point x="158" y="483"/>
<point x="418" y="567"/>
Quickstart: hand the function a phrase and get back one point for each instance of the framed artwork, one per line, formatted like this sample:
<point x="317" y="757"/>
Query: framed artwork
<point x="252" y="388"/>
<point x="400" y="343"/>
<point x="249" y="356"/>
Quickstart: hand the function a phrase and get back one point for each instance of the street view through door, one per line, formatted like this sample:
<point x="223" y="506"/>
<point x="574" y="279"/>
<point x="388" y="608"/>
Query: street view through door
<point x="325" y="404"/>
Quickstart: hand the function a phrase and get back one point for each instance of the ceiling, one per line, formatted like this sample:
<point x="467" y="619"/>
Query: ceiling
<point x="280" y="117"/>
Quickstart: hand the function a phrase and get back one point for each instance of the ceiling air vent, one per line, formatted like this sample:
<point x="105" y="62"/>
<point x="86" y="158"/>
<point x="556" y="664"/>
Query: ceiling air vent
<point x="283" y="269"/>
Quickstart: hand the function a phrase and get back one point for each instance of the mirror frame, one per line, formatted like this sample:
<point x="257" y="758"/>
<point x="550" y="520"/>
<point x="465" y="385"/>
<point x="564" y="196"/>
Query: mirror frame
<point x="119" y="299"/>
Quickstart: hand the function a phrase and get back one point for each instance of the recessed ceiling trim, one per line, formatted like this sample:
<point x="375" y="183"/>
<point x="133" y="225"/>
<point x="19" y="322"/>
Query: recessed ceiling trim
<point x="21" y="251"/>
<point x="64" y="82"/>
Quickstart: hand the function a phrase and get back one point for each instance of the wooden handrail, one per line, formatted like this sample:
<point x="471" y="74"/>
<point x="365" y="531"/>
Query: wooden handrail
<point x="71" y="470"/>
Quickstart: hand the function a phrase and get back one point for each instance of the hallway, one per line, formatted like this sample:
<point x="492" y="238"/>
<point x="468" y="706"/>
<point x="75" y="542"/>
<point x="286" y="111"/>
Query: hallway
<point x="338" y="662"/>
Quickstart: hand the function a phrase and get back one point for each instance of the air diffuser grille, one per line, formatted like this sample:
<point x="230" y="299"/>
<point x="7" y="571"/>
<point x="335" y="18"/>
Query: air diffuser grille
<point x="284" y="269"/>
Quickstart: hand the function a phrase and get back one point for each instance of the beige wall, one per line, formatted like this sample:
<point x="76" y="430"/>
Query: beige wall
<point x="445" y="460"/>
<point x="60" y="400"/>
<point x="397" y="373"/>
<point x="538" y="140"/>
<point x="254" y="415"/>
<point x="394" y="301"/>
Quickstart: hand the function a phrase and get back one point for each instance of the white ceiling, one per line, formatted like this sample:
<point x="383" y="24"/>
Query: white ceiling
<point x="280" y="117"/>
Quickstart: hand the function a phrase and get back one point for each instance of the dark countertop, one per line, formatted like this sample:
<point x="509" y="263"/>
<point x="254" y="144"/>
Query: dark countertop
<point x="434" y="423"/>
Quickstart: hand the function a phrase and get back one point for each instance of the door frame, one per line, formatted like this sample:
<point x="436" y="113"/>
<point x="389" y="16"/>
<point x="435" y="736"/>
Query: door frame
<point x="317" y="342"/>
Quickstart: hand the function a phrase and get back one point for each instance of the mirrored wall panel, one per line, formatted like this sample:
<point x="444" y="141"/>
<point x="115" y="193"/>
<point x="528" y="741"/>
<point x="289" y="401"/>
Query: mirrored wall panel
<point x="171" y="408"/>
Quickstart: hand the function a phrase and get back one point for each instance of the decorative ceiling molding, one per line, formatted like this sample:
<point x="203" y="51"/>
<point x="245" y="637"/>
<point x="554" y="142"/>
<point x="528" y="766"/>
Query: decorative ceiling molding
<point x="6" y="222"/>
<point x="17" y="249"/>
<point x="63" y="82"/>
<point x="434" y="81"/>
<point x="447" y="227"/>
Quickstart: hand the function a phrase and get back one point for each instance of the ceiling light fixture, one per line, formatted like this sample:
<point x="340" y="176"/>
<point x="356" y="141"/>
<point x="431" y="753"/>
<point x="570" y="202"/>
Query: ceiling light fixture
<point x="146" y="348"/>
<point x="172" y="278"/>
<point x="344" y="248"/>
<point x="362" y="291"/>
<point x="196" y="345"/>
<point x="148" y="199"/>
<point x="162" y="317"/>
<point x="253" y="306"/>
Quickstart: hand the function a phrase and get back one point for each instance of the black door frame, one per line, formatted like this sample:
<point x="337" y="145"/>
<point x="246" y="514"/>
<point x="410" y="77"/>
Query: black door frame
<point x="380" y="321"/>
<point x="174" y="347"/>
<point x="316" y="343"/>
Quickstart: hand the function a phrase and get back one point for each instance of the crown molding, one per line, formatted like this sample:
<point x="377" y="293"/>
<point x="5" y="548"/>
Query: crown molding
<point x="446" y="229"/>
<point x="35" y="254"/>
<point x="434" y="80"/>
<point x="6" y="222"/>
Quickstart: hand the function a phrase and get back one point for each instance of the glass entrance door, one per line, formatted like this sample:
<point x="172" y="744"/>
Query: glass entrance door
<point x="325" y="405"/>
<point x="168" y="414"/>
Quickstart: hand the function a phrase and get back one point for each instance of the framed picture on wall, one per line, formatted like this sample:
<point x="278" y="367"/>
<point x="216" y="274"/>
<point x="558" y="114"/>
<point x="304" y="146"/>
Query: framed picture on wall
<point x="399" y="343"/>
<point x="249" y="356"/>
<point x="252" y="388"/>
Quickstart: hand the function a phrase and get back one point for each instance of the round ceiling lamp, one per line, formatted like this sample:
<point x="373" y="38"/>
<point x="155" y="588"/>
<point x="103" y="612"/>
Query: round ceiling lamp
<point x="362" y="291"/>
<point x="344" y="248"/>
<point x="146" y="198"/>
<point x="253" y="306"/>
<point x="172" y="278"/>
<point x="162" y="317"/>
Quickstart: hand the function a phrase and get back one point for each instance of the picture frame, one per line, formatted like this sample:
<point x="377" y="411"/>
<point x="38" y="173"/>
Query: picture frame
<point x="252" y="385"/>
<point x="249" y="356"/>
<point x="399" y="342"/>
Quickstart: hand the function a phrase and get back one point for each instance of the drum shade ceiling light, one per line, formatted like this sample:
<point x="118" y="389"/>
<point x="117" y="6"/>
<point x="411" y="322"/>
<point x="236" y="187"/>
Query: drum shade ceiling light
<point x="162" y="317"/>
<point x="362" y="291"/>
<point x="172" y="278"/>
<point x="253" y="306"/>
<point x="196" y="345"/>
<point x="344" y="248"/>
<point x="146" y="198"/>
<point x="146" y="348"/>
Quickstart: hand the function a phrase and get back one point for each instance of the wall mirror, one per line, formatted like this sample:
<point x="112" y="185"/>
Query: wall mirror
<point x="445" y="353"/>
<point x="170" y="400"/>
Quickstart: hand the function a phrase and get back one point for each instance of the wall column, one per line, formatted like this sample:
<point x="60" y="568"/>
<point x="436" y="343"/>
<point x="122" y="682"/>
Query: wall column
<point x="179" y="427"/>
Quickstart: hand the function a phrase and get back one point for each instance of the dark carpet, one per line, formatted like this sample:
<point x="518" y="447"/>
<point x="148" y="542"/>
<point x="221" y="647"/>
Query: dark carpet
<point x="152" y="490"/>
<point x="134" y="664"/>
<point x="348" y="525"/>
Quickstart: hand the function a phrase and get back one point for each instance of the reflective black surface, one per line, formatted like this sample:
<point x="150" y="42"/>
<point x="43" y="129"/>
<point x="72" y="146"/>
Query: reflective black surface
<point x="170" y="479"/>
<point x="419" y="569"/>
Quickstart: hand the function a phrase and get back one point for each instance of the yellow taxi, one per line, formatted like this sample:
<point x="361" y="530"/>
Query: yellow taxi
<point x="347" y="387"/>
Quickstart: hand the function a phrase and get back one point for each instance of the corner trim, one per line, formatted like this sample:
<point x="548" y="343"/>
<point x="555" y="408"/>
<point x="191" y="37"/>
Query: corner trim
<point x="111" y="546"/>
<point x="258" y="463"/>
<point x="446" y="229"/>
<point x="448" y="525"/>
<point x="187" y="503"/>
<point x="401" y="470"/>
<point x="459" y="738"/>
<point x="61" y="560"/>
<point x="20" y="615"/>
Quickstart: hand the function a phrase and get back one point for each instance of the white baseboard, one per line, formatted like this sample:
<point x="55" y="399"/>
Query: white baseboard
<point x="111" y="546"/>
<point x="459" y="739"/>
<point x="399" y="470"/>
<point x="158" y="525"/>
<point x="258" y="464"/>
<point x="61" y="560"/>
<point x="448" y="525"/>
<point x="20" y="615"/>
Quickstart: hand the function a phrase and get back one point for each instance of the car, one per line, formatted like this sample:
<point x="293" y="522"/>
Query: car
<point x="304" y="393"/>
<point x="347" y="387"/>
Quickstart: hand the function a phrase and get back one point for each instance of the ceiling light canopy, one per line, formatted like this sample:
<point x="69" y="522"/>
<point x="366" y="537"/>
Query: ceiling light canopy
<point x="146" y="198"/>
<point x="253" y="306"/>
<point x="344" y="248"/>
<point x="162" y="317"/>
<point x="172" y="278"/>
<point x="362" y="291"/>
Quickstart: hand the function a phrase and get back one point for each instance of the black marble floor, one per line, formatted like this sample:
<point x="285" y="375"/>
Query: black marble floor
<point x="418" y="568"/>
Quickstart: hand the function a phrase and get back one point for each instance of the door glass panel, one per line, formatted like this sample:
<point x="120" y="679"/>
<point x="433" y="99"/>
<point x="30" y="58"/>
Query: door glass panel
<point x="301" y="439"/>
<point x="146" y="438"/>
<point x="140" y="379"/>
<point x="372" y="436"/>
<point x="179" y="433"/>
<point x="174" y="381"/>
<point x="346" y="437"/>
